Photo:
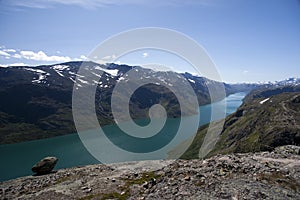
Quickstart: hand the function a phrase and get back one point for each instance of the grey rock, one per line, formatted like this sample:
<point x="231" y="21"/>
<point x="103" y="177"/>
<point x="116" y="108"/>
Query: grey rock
<point x="146" y="185"/>
<point x="187" y="178"/>
<point x="153" y="181"/>
<point x="44" y="166"/>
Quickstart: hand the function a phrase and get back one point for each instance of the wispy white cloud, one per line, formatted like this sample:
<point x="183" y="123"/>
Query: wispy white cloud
<point x="16" y="56"/>
<point x="9" y="50"/>
<point x="105" y="59"/>
<point x="20" y="56"/>
<point x="83" y="57"/>
<point x="41" y="56"/>
<point x="3" y="53"/>
<point x="90" y="4"/>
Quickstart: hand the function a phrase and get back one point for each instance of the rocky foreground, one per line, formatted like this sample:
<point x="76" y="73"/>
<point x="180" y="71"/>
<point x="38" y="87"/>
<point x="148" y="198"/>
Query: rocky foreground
<point x="264" y="175"/>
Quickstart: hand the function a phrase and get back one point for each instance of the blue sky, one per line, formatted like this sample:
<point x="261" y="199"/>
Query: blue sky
<point x="249" y="41"/>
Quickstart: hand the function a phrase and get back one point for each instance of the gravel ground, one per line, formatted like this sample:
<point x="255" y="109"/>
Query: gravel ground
<point x="263" y="175"/>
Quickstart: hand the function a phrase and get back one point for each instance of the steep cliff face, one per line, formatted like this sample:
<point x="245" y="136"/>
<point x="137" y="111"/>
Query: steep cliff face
<point x="264" y="175"/>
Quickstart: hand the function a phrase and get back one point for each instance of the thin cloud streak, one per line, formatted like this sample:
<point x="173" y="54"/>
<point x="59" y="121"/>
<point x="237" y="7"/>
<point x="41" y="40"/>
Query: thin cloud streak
<point x="92" y="4"/>
<point x="13" y="65"/>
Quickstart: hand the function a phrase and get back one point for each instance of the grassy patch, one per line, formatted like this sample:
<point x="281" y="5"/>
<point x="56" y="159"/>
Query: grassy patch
<point x="112" y="195"/>
<point x="91" y="196"/>
<point x="145" y="177"/>
<point x="193" y="151"/>
<point x="115" y="195"/>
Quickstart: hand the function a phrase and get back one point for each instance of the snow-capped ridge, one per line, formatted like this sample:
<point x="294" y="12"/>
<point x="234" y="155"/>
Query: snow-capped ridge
<point x="293" y="81"/>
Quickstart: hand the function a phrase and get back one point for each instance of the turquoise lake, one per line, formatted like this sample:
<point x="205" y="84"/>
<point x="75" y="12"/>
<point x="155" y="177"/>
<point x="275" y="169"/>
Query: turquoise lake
<point x="17" y="159"/>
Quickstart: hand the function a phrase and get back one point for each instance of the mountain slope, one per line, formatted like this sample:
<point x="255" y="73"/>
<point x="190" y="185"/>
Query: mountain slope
<point x="265" y="120"/>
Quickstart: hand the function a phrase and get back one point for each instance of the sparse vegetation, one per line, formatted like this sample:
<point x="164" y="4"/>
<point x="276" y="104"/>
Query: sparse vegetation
<point x="255" y="126"/>
<point x="145" y="177"/>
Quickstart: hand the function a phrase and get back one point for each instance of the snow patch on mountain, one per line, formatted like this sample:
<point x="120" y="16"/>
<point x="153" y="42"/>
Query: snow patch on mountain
<point x="263" y="101"/>
<point x="294" y="81"/>
<point x="35" y="70"/>
<point x="72" y="73"/>
<point x="82" y="81"/>
<point x="72" y="79"/>
<point x="190" y="80"/>
<point x="39" y="80"/>
<point x="96" y="74"/>
<point x="59" y="73"/>
<point x="113" y="72"/>
<point x="121" y="79"/>
<point x="61" y="67"/>
<point x="42" y="75"/>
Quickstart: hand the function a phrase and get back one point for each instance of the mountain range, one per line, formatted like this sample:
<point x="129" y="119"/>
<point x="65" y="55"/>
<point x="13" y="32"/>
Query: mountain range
<point x="36" y="102"/>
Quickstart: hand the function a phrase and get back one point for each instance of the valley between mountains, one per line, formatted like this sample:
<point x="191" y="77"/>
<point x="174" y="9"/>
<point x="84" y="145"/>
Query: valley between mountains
<point x="36" y="102"/>
<point x="256" y="155"/>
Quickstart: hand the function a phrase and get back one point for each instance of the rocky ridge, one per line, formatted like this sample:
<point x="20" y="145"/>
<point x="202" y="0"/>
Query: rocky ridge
<point x="262" y="175"/>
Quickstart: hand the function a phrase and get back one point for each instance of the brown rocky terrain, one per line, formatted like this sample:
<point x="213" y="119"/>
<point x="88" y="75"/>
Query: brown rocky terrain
<point x="262" y="175"/>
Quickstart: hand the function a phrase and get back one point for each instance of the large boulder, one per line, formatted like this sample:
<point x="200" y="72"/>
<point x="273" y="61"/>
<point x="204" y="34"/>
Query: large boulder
<point x="44" y="166"/>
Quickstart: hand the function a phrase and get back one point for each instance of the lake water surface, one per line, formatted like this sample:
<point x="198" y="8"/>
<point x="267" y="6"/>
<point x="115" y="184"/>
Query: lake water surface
<point x="17" y="159"/>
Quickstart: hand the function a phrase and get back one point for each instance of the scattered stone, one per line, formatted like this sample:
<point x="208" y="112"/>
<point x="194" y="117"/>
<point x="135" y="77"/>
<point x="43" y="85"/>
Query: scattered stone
<point x="153" y="181"/>
<point x="222" y="173"/>
<point x="145" y="185"/>
<point x="44" y="166"/>
<point x="84" y="188"/>
<point x="88" y="190"/>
